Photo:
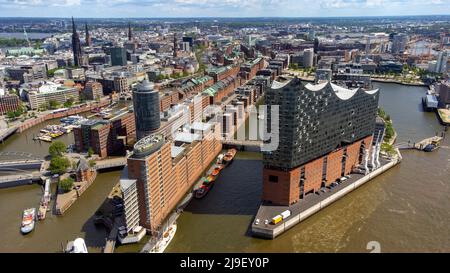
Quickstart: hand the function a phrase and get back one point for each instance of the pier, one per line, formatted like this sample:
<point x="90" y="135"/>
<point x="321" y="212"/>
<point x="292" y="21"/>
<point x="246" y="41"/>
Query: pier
<point x="419" y="145"/>
<point x="243" y="145"/>
<point x="7" y="133"/>
<point x="110" y="163"/>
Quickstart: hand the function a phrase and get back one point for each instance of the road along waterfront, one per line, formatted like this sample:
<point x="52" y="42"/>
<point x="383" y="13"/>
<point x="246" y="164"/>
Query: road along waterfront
<point x="405" y="209"/>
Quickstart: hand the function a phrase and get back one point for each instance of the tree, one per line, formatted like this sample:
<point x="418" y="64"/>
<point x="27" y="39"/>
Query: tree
<point x="92" y="163"/>
<point x="53" y="104"/>
<point x="10" y="114"/>
<point x="66" y="184"/>
<point x="59" y="165"/>
<point x="90" y="152"/>
<point x="57" y="148"/>
<point x="69" y="102"/>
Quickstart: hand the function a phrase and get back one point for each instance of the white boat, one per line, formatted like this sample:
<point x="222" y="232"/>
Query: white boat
<point x="220" y="159"/>
<point x="28" y="220"/>
<point x="76" y="246"/>
<point x="167" y="237"/>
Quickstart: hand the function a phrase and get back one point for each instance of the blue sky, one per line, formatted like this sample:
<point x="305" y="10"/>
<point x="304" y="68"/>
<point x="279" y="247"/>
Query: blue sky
<point x="220" y="8"/>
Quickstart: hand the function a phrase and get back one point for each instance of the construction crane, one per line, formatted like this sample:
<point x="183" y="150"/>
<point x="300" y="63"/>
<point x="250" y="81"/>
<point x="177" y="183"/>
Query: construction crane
<point x="26" y="36"/>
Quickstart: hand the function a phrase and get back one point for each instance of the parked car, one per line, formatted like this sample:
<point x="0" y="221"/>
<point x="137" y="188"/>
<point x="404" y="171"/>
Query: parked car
<point x="257" y="222"/>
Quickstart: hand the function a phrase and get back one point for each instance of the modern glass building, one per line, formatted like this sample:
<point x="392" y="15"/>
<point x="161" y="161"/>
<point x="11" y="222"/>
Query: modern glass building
<point x="324" y="131"/>
<point x="146" y="109"/>
<point x="118" y="56"/>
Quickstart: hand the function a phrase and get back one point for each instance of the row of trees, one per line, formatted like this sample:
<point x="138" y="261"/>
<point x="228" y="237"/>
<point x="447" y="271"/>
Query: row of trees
<point x="59" y="164"/>
<point x="389" y="133"/>
<point x="15" y="114"/>
<point x="12" y="42"/>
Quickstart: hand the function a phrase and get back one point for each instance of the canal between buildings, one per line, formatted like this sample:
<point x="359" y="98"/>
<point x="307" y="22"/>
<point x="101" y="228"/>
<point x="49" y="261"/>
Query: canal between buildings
<point x="406" y="209"/>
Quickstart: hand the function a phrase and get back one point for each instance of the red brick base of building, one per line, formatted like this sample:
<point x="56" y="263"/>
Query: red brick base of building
<point x="287" y="187"/>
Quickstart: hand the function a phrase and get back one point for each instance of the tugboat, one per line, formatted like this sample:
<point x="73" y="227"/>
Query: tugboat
<point x="229" y="156"/>
<point x="28" y="220"/>
<point x="207" y="185"/>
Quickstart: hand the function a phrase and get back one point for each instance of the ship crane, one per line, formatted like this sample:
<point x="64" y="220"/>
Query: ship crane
<point x="26" y="36"/>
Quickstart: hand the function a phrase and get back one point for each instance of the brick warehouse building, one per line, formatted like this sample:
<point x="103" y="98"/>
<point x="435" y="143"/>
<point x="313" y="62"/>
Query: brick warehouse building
<point x="325" y="131"/>
<point x="106" y="137"/>
<point x="9" y="103"/>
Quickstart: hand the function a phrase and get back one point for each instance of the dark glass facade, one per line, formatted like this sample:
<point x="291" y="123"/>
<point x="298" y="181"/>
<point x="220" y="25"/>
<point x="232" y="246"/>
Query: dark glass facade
<point x="146" y="109"/>
<point x="315" y="120"/>
<point x="118" y="56"/>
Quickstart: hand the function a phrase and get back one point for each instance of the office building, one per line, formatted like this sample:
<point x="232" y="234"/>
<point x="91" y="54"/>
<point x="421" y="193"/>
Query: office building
<point x="399" y="43"/>
<point x="165" y="171"/>
<point x="441" y="62"/>
<point x="106" y="137"/>
<point x="130" y="200"/>
<point x="324" y="131"/>
<point x="39" y="94"/>
<point x="9" y="103"/>
<point x="118" y="56"/>
<point x="146" y="109"/>
<point x="93" y="90"/>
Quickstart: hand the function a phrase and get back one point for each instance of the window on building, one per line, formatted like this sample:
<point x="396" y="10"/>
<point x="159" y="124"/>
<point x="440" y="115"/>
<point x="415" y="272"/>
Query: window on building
<point x="273" y="178"/>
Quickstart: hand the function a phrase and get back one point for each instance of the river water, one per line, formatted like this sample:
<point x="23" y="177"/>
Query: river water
<point x="405" y="209"/>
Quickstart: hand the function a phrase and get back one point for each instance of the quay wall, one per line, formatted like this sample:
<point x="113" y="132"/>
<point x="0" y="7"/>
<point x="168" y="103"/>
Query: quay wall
<point x="299" y="217"/>
<point x="73" y="111"/>
<point x="66" y="200"/>
<point x="399" y="82"/>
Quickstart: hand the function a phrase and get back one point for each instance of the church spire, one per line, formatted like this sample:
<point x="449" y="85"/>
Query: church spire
<point x="130" y="34"/>
<point x="74" y="29"/>
<point x="88" y="36"/>
<point x="76" y="46"/>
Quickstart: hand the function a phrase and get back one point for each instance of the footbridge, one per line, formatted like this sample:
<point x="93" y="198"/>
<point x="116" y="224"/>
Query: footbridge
<point x="243" y="145"/>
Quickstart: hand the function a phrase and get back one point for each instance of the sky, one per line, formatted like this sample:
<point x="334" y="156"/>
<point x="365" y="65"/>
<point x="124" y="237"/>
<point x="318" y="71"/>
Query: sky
<point x="220" y="8"/>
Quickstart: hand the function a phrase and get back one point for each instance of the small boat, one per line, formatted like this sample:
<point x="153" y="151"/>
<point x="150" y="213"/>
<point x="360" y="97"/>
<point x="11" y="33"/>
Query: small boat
<point x="207" y="185"/>
<point x="76" y="246"/>
<point x="430" y="148"/>
<point x="217" y="170"/>
<point x="220" y="159"/>
<point x="229" y="156"/>
<point x="165" y="240"/>
<point x="28" y="220"/>
<point x="45" y="138"/>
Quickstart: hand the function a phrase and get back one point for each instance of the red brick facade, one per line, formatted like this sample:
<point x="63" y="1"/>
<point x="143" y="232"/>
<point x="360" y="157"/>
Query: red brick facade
<point x="283" y="187"/>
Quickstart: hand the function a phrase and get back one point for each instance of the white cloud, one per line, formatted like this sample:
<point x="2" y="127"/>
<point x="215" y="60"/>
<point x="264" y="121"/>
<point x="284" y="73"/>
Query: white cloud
<point x="217" y="8"/>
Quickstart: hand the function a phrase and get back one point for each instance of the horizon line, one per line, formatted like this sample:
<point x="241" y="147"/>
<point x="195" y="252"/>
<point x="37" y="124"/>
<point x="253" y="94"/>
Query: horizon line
<point x="233" y="17"/>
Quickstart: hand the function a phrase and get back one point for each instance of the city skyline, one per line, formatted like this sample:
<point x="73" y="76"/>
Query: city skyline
<point x="215" y="8"/>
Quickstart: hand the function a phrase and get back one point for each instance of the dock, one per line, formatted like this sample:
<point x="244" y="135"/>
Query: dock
<point x="419" y="145"/>
<point x="44" y="205"/>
